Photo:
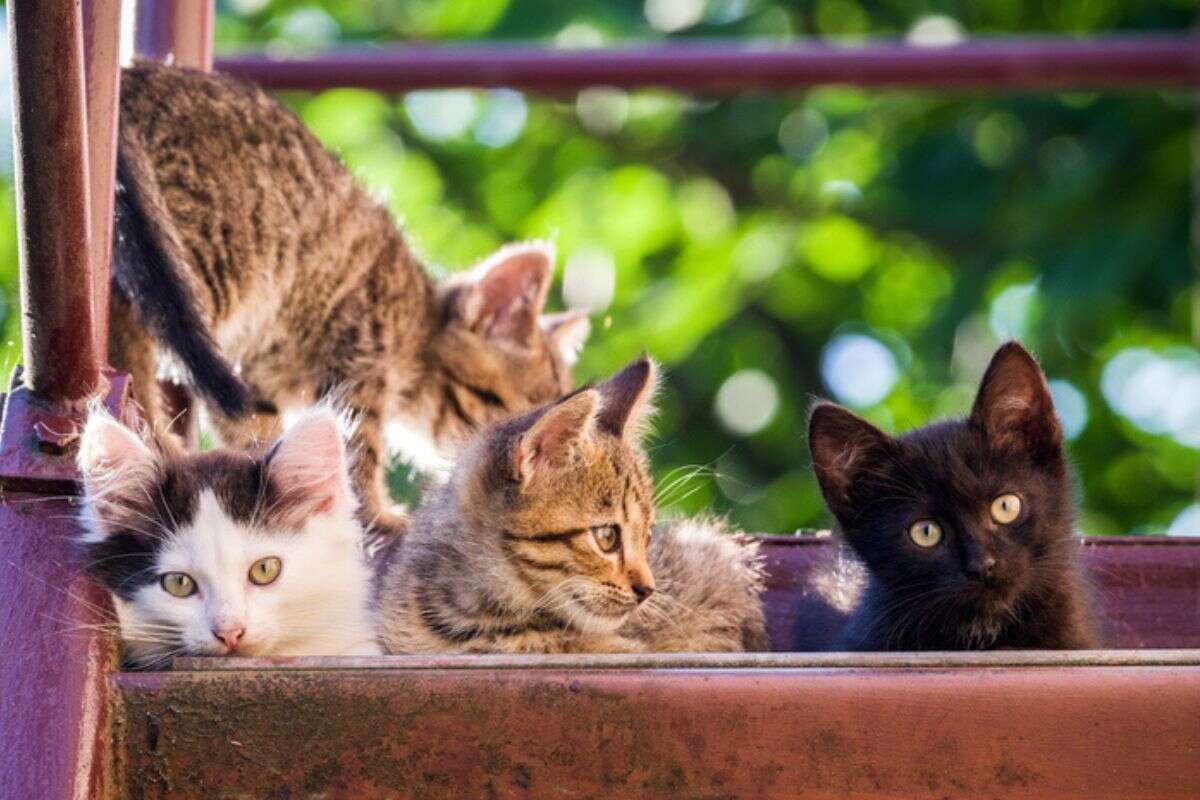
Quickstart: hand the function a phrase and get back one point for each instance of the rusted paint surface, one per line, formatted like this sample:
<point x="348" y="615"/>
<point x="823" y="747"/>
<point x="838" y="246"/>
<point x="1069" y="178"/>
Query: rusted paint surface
<point x="1012" y="63"/>
<point x="1030" y="732"/>
<point x="101" y="26"/>
<point x="53" y="216"/>
<point x="1146" y="588"/>
<point x="54" y="660"/>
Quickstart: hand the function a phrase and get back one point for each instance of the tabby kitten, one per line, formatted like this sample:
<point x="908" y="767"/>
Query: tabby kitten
<point x="964" y="526"/>
<point x="228" y="553"/>
<point x="541" y="543"/>
<point x="242" y="241"/>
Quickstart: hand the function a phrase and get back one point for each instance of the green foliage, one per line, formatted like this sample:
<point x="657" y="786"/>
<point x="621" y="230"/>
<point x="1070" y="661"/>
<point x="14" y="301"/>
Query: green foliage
<point x="743" y="241"/>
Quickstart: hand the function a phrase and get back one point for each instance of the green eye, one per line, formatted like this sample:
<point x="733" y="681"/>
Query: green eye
<point x="1006" y="508"/>
<point x="265" y="571"/>
<point x="925" y="533"/>
<point x="608" y="537"/>
<point x="178" y="584"/>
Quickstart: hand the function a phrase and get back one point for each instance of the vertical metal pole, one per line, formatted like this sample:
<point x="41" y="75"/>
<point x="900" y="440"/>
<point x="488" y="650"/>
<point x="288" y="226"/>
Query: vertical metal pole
<point x="102" y="25"/>
<point x="53" y="217"/>
<point x="176" y="32"/>
<point x="55" y="654"/>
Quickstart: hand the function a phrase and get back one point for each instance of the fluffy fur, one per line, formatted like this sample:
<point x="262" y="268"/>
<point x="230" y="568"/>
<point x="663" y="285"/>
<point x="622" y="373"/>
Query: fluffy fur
<point x="211" y="517"/>
<point x="986" y="583"/>
<point x="509" y="555"/>
<point x="244" y="246"/>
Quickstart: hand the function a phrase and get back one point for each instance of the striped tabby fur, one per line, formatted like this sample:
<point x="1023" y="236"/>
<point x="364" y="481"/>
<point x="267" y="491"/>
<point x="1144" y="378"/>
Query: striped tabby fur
<point x="510" y="556"/>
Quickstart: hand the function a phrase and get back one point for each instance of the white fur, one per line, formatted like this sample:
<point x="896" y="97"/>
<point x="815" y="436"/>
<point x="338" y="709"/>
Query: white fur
<point x="319" y="604"/>
<point x="411" y="439"/>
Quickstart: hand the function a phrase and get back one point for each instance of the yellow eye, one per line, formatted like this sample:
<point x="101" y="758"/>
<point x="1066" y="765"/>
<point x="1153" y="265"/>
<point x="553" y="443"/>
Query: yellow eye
<point x="608" y="537"/>
<point x="265" y="570"/>
<point x="925" y="533"/>
<point x="178" y="584"/>
<point x="1006" y="508"/>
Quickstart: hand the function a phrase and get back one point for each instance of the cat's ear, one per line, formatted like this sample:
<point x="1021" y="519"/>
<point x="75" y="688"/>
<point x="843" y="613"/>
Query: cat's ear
<point x="627" y="399"/>
<point x="552" y="438"/>
<point x="307" y="468"/>
<point x="1013" y="408"/>
<point x="508" y="291"/>
<point x="844" y="446"/>
<point x="117" y="468"/>
<point x="566" y="332"/>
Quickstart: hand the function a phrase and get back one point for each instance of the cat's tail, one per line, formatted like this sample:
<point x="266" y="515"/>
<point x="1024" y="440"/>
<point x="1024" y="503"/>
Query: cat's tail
<point x="147" y="264"/>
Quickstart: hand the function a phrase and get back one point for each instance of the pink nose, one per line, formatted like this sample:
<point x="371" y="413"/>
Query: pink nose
<point x="229" y="636"/>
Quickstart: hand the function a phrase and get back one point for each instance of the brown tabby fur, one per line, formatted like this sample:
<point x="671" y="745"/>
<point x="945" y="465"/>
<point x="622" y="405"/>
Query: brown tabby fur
<point x="504" y="559"/>
<point x="306" y="284"/>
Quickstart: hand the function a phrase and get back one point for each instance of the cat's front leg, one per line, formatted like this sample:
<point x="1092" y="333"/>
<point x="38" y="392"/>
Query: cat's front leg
<point x="382" y="518"/>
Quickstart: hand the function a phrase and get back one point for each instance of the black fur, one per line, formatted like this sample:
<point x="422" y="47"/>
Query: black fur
<point x="146" y="276"/>
<point x="949" y="596"/>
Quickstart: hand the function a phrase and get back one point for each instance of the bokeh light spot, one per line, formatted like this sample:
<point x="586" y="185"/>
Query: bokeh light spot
<point x="747" y="401"/>
<point x="589" y="279"/>
<point x="1072" y="408"/>
<point x="936" y="30"/>
<point x="859" y="370"/>
<point x="1187" y="523"/>
<point x="442" y="114"/>
<point x="674" y="15"/>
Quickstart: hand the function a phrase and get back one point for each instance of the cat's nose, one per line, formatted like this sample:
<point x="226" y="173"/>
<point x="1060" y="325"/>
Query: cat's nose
<point x="229" y="636"/>
<point x="642" y="590"/>
<point x="981" y="568"/>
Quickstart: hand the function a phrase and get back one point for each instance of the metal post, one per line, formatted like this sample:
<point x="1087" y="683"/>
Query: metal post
<point x="176" y="32"/>
<point x="55" y="654"/>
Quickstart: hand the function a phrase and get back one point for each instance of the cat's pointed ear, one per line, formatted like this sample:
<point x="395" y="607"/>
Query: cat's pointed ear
<point x="566" y="332"/>
<point x="307" y="469"/>
<point x="627" y="399"/>
<point x="117" y="468"/>
<point x="553" y="436"/>
<point x="1013" y="408"/>
<point x="844" y="446"/>
<point x="508" y="292"/>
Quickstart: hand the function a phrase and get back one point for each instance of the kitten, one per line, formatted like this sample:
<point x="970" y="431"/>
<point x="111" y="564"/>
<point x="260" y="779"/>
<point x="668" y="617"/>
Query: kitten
<point x="225" y="553"/>
<point x="965" y="526"/>
<point x="242" y="241"/>
<point x="541" y="543"/>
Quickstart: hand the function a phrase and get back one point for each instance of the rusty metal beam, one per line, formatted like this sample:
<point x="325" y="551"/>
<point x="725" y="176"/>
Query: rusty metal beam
<point x="1037" y="64"/>
<point x="102" y="25"/>
<point x="176" y="31"/>
<point x="53" y="219"/>
<point x="920" y="732"/>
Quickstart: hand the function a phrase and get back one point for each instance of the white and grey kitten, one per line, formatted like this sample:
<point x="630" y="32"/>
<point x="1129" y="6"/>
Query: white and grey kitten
<point x="228" y="553"/>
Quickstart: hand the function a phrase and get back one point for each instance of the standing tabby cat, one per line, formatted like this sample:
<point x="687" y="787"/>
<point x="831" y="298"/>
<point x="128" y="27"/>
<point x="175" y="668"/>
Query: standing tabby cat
<point x="964" y="526"/>
<point x="541" y="543"/>
<point x="241" y="240"/>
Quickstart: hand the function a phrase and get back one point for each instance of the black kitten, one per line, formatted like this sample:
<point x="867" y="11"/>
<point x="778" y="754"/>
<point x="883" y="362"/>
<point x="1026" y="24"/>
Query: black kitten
<point x="964" y="525"/>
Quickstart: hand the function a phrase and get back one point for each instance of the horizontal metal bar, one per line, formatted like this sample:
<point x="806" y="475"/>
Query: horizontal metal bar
<point x="707" y="661"/>
<point x="1029" y="732"/>
<point x="722" y="67"/>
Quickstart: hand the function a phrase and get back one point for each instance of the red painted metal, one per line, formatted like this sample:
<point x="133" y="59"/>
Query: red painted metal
<point x="102" y="57"/>
<point x="176" y="31"/>
<point x="1142" y="61"/>
<point x="1147" y="591"/>
<point x="862" y="732"/>
<point x="53" y="221"/>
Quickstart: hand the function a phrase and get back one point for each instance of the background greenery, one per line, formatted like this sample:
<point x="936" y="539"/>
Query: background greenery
<point x="771" y="248"/>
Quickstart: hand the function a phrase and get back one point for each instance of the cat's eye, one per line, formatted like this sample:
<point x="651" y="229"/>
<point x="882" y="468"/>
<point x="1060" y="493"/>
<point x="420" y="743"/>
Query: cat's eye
<point x="925" y="533"/>
<point x="265" y="570"/>
<point x="1006" y="508"/>
<point x="178" y="584"/>
<point x="608" y="537"/>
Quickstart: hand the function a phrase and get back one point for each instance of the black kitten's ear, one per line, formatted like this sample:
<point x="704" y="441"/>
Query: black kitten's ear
<point x="1013" y="407"/>
<point x="844" y="446"/>
<point x="626" y="399"/>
